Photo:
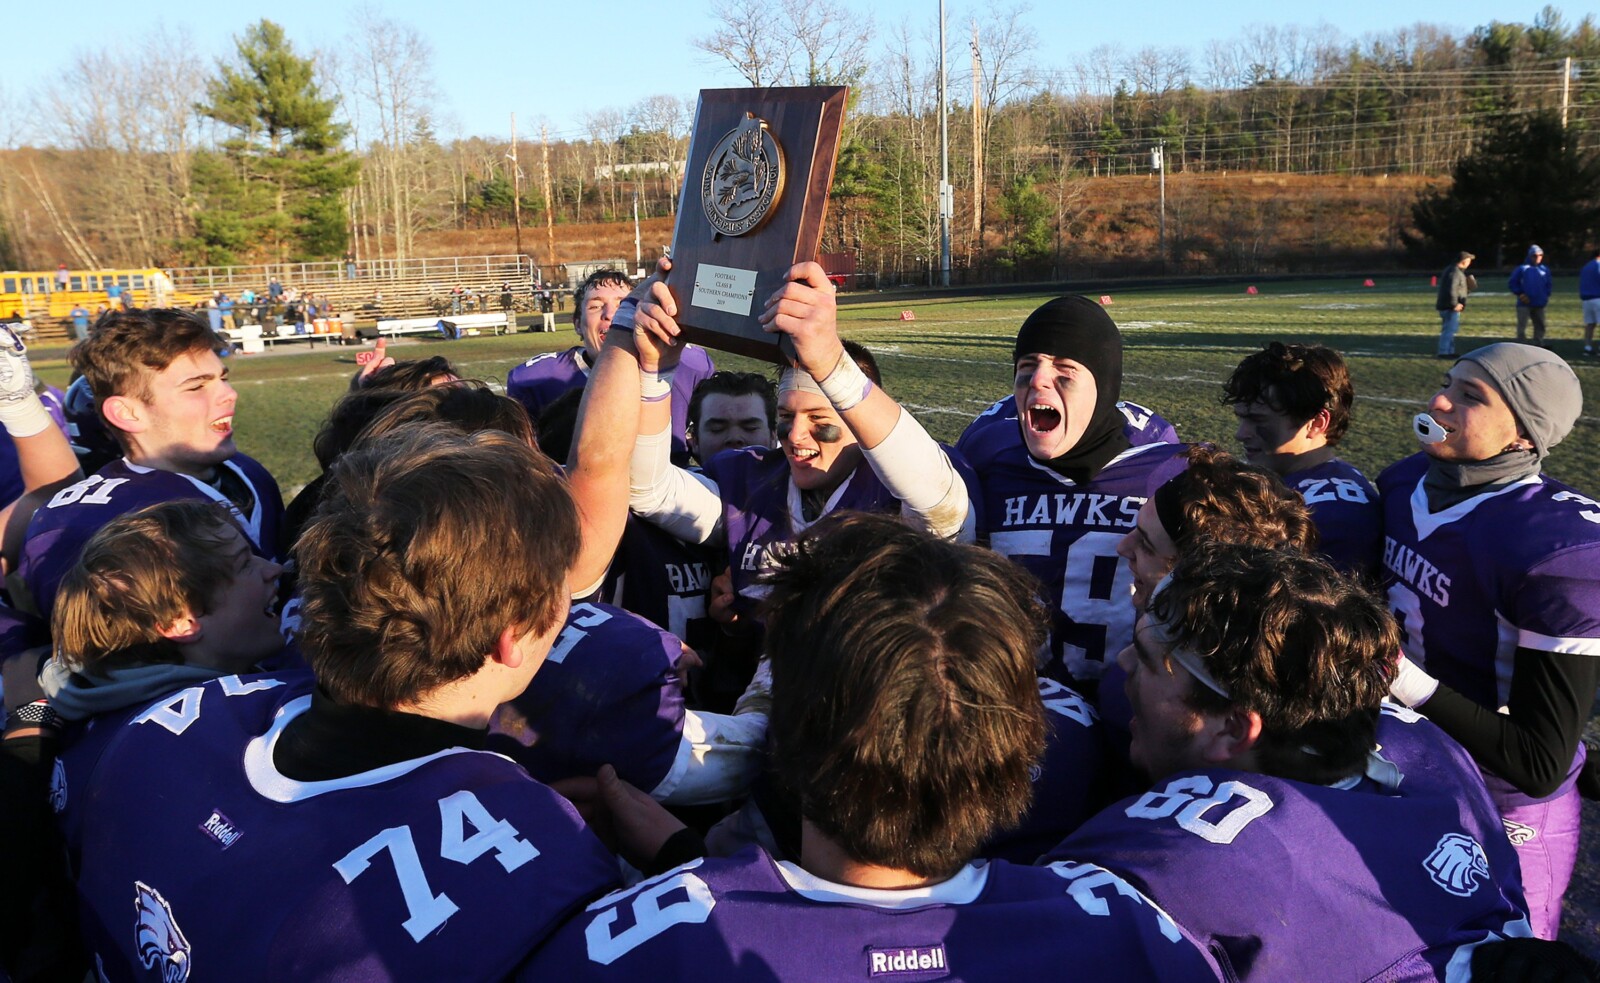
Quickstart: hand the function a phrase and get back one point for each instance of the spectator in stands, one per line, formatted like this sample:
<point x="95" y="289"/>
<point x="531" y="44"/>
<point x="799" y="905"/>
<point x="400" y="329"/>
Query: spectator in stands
<point x="538" y="381"/>
<point x="547" y="307"/>
<point x="1293" y="406"/>
<point x="80" y="322"/>
<point x="435" y="584"/>
<point x="904" y="709"/>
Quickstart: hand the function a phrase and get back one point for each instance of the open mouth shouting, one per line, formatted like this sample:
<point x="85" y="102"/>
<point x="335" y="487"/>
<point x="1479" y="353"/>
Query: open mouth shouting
<point x="223" y="425"/>
<point x="1042" y="417"/>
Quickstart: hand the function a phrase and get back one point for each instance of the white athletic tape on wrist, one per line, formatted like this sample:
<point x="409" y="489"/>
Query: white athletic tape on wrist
<point x="846" y="386"/>
<point x="655" y="386"/>
<point x="25" y="417"/>
<point x="1411" y="684"/>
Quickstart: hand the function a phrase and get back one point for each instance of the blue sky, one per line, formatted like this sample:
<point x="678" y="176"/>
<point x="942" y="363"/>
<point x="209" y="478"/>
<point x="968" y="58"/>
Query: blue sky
<point x="553" y="62"/>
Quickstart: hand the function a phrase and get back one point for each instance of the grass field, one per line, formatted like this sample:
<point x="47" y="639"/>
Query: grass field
<point x="954" y="360"/>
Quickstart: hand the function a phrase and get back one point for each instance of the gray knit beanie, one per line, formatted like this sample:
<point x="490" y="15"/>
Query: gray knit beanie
<point x="1541" y="389"/>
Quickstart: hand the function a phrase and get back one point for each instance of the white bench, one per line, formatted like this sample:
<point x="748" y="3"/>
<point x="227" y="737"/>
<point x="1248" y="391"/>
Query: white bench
<point x="465" y="324"/>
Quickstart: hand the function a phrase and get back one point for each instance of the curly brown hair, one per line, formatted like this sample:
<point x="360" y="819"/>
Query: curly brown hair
<point x="1290" y="639"/>
<point x="906" y="711"/>
<point x="1298" y="381"/>
<point x="1223" y="499"/>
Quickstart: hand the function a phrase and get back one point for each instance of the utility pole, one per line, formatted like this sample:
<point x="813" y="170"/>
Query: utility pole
<point x="516" y="185"/>
<point x="1566" y="89"/>
<point x="977" y="139"/>
<point x="1158" y="162"/>
<point x="638" y="254"/>
<point x="549" y="202"/>
<point x="946" y="199"/>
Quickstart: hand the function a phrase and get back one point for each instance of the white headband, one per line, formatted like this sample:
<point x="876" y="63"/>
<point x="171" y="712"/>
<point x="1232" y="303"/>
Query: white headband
<point x="1167" y="634"/>
<point x="794" y="380"/>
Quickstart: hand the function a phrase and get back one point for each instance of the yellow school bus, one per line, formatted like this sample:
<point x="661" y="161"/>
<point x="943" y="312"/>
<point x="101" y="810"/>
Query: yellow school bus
<point x="47" y="294"/>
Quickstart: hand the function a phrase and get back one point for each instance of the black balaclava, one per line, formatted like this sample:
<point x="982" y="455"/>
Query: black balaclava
<point x="1080" y="329"/>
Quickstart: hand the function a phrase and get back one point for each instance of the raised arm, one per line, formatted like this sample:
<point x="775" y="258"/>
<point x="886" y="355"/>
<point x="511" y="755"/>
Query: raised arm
<point x="44" y="455"/>
<point x="909" y="462"/>
<point x="689" y="506"/>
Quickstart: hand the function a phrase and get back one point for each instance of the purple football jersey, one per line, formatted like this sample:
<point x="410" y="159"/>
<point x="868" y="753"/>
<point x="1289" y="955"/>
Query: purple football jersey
<point x="999" y="423"/>
<point x="60" y="529"/>
<point x="1394" y="875"/>
<point x="761" y="508"/>
<point x="1068" y="782"/>
<point x="749" y="917"/>
<point x="542" y="379"/>
<point x="200" y="857"/>
<point x="663" y="580"/>
<point x="1066" y="535"/>
<point x="1347" y="513"/>
<point x="1519" y="567"/>
<point x="606" y="694"/>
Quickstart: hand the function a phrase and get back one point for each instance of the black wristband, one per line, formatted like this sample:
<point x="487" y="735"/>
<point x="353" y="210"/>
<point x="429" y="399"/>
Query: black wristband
<point x="35" y="714"/>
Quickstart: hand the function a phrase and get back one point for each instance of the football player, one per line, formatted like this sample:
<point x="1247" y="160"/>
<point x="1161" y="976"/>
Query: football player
<point x="905" y="711"/>
<point x="1293" y="407"/>
<point x="1495" y="577"/>
<point x="162" y="389"/>
<point x="844" y="444"/>
<point x="538" y="381"/>
<point x="1256" y="677"/>
<point x="1059" y="499"/>
<point x="730" y="410"/>
<point x="163" y="598"/>
<point x="284" y="827"/>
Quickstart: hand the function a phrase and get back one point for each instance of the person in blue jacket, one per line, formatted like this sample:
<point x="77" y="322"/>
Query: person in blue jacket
<point x="1530" y="283"/>
<point x="1589" y="293"/>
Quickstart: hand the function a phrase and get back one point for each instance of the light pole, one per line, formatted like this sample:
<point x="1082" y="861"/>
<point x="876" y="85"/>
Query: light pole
<point x="946" y="199"/>
<point x="1158" y="163"/>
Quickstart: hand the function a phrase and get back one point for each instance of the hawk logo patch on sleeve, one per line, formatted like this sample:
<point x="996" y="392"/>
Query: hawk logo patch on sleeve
<point x="1457" y="864"/>
<point x="1517" y="833"/>
<point x="160" y="941"/>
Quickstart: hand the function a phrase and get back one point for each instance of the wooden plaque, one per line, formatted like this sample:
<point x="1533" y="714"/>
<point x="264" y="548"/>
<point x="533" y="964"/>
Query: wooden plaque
<point x="754" y="196"/>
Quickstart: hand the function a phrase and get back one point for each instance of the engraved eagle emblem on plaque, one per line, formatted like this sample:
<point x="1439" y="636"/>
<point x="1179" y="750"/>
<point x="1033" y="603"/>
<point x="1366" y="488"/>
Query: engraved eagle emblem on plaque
<point x="743" y="178"/>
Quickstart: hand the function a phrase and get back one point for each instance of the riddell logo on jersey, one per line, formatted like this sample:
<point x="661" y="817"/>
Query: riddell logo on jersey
<point x="219" y="828"/>
<point x="899" y="962"/>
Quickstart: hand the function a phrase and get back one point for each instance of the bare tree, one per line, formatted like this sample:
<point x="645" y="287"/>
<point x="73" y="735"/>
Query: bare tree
<point x="750" y="38"/>
<point x="834" y="40"/>
<point x="389" y="69"/>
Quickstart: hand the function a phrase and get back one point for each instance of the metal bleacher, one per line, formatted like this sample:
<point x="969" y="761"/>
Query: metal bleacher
<point x="372" y="289"/>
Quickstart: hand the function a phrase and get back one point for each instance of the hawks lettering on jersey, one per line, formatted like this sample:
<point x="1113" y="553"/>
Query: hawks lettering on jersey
<point x="450" y="866"/>
<point x="1396" y="874"/>
<point x="663" y="580"/>
<point x="714" y="919"/>
<point x="607" y="693"/>
<point x="1066" y="535"/>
